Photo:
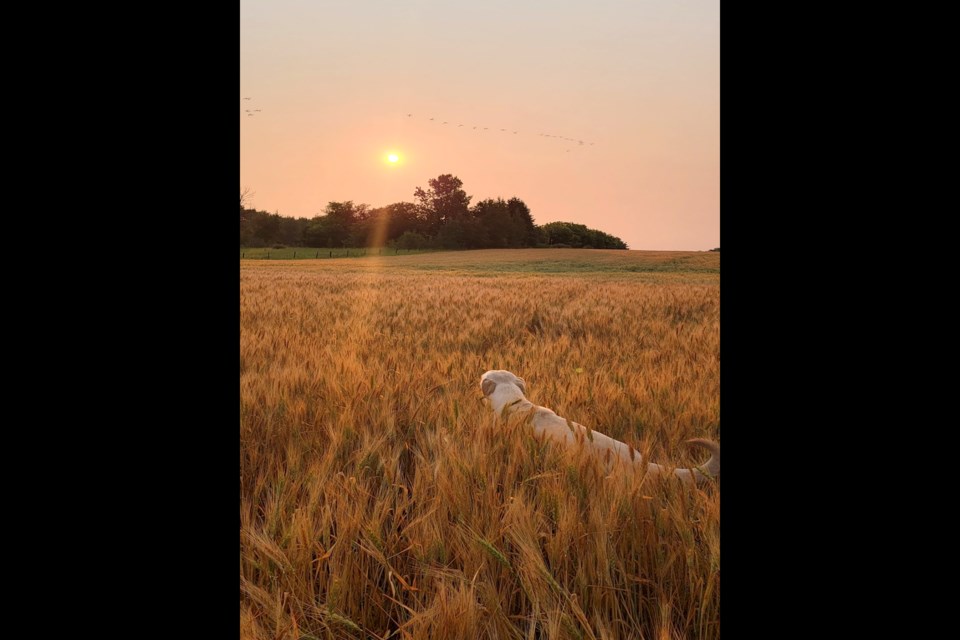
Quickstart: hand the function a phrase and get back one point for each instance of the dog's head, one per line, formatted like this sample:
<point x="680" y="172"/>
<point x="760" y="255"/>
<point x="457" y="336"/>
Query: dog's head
<point x="501" y="387"/>
<point x="490" y="380"/>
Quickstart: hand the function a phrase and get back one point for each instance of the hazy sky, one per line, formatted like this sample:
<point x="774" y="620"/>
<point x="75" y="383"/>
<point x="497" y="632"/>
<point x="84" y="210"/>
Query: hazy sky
<point x="640" y="79"/>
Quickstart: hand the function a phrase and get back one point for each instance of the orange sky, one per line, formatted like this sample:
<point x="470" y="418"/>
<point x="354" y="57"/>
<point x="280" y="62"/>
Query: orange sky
<point x="335" y="79"/>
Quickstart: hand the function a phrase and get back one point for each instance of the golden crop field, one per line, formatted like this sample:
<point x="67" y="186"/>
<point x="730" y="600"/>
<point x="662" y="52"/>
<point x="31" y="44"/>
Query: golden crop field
<point x="380" y="498"/>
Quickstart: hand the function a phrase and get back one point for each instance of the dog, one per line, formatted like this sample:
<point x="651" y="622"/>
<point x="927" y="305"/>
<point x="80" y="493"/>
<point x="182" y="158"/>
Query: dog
<point x="505" y="393"/>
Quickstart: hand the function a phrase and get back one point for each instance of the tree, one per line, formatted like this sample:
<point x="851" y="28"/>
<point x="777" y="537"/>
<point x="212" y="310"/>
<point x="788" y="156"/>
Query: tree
<point x="384" y="224"/>
<point x="335" y="228"/>
<point x="291" y="231"/>
<point x="404" y="216"/>
<point x="267" y="227"/>
<point x="320" y="233"/>
<point x="460" y="233"/>
<point x="259" y="228"/>
<point x="411" y="240"/>
<point x="559" y="233"/>
<point x="493" y="217"/>
<point x="504" y="224"/>
<point x="577" y="235"/>
<point x="445" y="201"/>
<point x="245" y="196"/>
<point x="246" y="233"/>
<point x="441" y="218"/>
<point x="523" y="220"/>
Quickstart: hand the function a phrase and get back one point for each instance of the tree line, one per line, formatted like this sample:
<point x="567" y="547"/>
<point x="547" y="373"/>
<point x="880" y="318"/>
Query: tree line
<point x="441" y="218"/>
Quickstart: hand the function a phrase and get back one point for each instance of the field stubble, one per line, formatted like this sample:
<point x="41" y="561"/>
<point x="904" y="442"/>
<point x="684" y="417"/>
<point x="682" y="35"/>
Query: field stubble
<point x="378" y="498"/>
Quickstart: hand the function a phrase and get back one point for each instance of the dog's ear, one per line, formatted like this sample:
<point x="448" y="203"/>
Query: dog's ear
<point x="487" y="386"/>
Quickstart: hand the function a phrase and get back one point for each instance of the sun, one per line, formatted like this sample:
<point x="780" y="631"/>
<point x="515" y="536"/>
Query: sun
<point x="393" y="158"/>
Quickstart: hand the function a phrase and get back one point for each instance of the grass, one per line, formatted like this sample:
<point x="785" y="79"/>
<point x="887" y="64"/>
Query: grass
<point x="689" y="265"/>
<point x="308" y="253"/>
<point x="379" y="499"/>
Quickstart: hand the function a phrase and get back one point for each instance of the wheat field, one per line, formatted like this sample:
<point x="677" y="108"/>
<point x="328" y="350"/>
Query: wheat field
<point x="380" y="499"/>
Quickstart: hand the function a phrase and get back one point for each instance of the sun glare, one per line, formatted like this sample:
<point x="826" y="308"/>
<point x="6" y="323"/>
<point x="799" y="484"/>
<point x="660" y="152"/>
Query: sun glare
<point x="393" y="158"/>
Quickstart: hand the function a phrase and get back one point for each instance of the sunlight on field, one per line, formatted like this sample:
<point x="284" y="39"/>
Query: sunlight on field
<point x="686" y="265"/>
<point x="379" y="499"/>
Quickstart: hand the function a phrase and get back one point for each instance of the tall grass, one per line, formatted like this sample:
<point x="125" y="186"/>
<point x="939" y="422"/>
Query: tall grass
<point x="379" y="499"/>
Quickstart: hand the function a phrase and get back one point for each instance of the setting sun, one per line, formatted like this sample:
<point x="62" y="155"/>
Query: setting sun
<point x="393" y="157"/>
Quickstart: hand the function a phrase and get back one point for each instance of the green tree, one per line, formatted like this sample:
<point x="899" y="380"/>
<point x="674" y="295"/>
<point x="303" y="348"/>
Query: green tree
<point x="578" y="235"/>
<point x="505" y="223"/>
<point x="523" y="221"/>
<point x="404" y="216"/>
<point x="411" y="240"/>
<point x="460" y="233"/>
<point x="321" y="233"/>
<point x="267" y="227"/>
<point x="445" y="201"/>
<point x="291" y="231"/>
<point x="245" y="231"/>
<point x="336" y="226"/>
<point x="258" y="228"/>
<point x="497" y="226"/>
<point x="385" y="224"/>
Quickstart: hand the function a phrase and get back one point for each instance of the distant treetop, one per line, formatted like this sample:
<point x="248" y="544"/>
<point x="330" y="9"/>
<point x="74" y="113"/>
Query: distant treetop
<point x="441" y="218"/>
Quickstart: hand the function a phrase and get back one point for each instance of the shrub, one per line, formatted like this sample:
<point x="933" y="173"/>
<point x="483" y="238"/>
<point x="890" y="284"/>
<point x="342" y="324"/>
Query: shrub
<point x="411" y="240"/>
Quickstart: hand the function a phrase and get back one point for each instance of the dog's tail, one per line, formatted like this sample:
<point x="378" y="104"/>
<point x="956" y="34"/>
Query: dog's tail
<point x="711" y="468"/>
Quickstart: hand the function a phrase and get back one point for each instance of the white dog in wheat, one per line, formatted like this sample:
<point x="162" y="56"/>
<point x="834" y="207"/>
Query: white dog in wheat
<point x="505" y="393"/>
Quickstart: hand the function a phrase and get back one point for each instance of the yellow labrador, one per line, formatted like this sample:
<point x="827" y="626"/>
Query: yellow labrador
<point x="505" y="393"/>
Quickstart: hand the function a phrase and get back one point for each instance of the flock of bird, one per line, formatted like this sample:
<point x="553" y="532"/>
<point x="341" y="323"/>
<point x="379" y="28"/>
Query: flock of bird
<point x="480" y="129"/>
<point x="251" y="112"/>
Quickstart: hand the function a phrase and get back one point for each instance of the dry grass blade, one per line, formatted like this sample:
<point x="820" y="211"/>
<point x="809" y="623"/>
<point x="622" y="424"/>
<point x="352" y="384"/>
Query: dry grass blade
<point x="380" y="499"/>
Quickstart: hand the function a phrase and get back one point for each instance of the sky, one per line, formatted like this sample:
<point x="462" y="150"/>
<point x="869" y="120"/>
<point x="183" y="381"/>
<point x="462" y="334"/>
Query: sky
<point x="637" y="81"/>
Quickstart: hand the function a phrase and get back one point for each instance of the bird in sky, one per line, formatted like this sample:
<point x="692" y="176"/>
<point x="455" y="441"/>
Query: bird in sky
<point x="476" y="127"/>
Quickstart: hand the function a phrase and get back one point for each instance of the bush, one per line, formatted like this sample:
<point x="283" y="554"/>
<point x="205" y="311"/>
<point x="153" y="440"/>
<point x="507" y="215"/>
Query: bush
<point x="411" y="240"/>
